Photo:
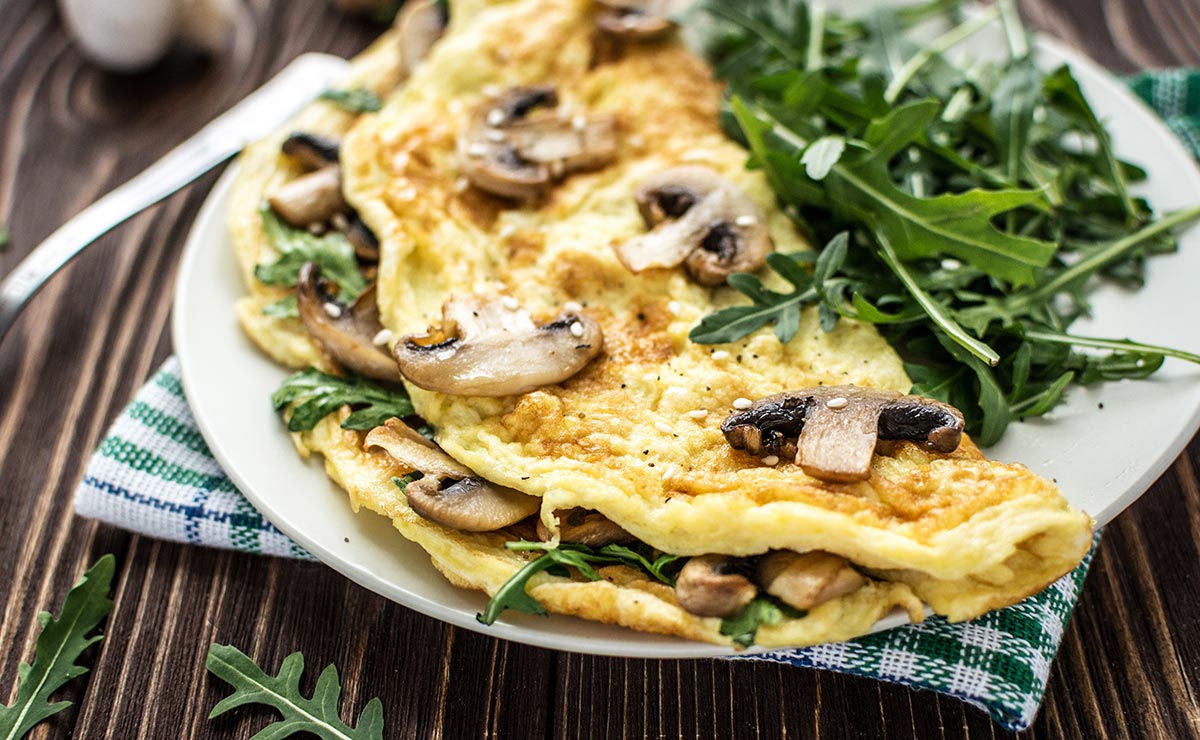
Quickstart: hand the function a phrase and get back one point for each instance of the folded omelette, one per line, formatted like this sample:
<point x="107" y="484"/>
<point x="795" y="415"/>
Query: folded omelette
<point x="522" y="181"/>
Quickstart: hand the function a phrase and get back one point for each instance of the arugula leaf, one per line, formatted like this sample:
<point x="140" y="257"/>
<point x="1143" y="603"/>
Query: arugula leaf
<point x="331" y="251"/>
<point x="743" y="626"/>
<point x="984" y="201"/>
<point x="402" y="482"/>
<point x="285" y="308"/>
<point x="5" y="237"/>
<point x="59" y="644"/>
<point x="353" y="100"/>
<point x="513" y="594"/>
<point x="318" y="715"/>
<point x="317" y="395"/>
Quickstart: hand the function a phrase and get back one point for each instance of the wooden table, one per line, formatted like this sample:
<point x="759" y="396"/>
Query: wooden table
<point x="1129" y="667"/>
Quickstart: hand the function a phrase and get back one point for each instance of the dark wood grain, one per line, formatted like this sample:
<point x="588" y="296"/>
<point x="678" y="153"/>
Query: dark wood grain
<point x="1129" y="667"/>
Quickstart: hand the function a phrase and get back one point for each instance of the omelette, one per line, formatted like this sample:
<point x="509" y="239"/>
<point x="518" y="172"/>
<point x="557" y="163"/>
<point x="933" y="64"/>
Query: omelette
<point x="555" y="206"/>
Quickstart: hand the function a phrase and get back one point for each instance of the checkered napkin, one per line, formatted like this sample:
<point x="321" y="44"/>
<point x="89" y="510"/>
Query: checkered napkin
<point x="154" y="475"/>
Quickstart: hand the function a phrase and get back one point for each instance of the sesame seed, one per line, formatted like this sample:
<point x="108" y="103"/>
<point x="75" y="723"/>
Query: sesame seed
<point x="576" y="329"/>
<point x="951" y="264"/>
<point x="674" y="308"/>
<point x="745" y="220"/>
<point x="316" y="228"/>
<point x="741" y="404"/>
<point x="477" y="150"/>
<point x="401" y="160"/>
<point x="572" y="307"/>
<point x="770" y="461"/>
<point x="495" y="117"/>
<point x="492" y="91"/>
<point x="507" y="230"/>
<point x="837" y="403"/>
<point x="334" y="310"/>
<point x="637" y="141"/>
<point x="579" y="122"/>
<point x="339" y="221"/>
<point x="455" y="106"/>
<point x="461" y="184"/>
<point x="720" y="355"/>
<point x="510" y="303"/>
<point x="663" y="427"/>
<point x="383" y="337"/>
<point x="698" y="413"/>
<point x="445" y="354"/>
<point x="406" y="193"/>
<point x="496" y="136"/>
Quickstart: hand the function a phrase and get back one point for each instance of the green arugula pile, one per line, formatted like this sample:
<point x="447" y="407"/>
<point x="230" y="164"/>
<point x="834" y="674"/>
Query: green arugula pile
<point x="512" y="595"/>
<point x="969" y="209"/>
<point x="332" y="252"/>
<point x="59" y="644"/>
<point x="318" y="715"/>
<point x="353" y="100"/>
<point x="317" y="395"/>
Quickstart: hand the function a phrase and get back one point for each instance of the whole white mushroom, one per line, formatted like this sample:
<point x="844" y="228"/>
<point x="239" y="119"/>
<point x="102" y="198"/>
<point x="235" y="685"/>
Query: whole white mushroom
<point x="127" y="36"/>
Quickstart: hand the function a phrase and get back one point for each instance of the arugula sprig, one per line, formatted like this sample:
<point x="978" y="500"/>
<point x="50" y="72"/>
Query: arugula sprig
<point x="332" y="252"/>
<point x="59" y="644"/>
<point x="513" y="594"/>
<point x="742" y="627"/>
<point x="317" y="395"/>
<point x="969" y="211"/>
<point x="318" y="715"/>
<point x="353" y="100"/>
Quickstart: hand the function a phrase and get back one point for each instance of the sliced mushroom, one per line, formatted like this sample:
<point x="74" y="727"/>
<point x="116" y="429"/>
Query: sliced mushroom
<point x="311" y="150"/>
<point x="310" y="198"/>
<point x="804" y="581"/>
<point x="364" y="241"/>
<point x="517" y="145"/>
<point x="714" y="586"/>
<point x="638" y="19"/>
<point x="586" y="527"/>
<point x="347" y="333"/>
<point x="449" y="493"/>
<point x="494" y="349"/>
<point x="420" y="24"/>
<point x="834" y="429"/>
<point x="701" y="220"/>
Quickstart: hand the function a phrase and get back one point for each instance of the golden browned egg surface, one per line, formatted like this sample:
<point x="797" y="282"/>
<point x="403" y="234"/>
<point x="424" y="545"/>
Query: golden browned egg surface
<point x="636" y="435"/>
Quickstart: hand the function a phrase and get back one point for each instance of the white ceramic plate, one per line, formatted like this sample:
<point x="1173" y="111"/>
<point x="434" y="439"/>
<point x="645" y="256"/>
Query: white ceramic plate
<point x="1102" y="459"/>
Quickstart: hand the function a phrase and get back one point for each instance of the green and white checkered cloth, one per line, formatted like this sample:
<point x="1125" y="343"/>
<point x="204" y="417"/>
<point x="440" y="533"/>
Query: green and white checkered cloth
<point x="153" y="474"/>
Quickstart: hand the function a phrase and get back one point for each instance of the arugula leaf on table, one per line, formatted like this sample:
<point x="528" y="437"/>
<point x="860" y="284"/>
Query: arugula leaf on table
<point x="513" y="594"/>
<point x="331" y="251"/>
<point x="317" y="395"/>
<point x="318" y="715"/>
<point x="59" y="644"/>
<point x="353" y="100"/>
<point x="742" y="627"/>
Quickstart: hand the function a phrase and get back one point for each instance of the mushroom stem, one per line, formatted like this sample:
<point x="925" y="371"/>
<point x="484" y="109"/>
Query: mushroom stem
<point x="713" y="586"/>
<point x="804" y="581"/>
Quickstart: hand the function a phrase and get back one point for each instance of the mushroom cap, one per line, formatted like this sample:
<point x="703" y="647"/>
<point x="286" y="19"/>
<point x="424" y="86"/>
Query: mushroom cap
<point x="586" y="527"/>
<point x="311" y="198"/>
<point x="311" y="150"/>
<point x="412" y="450"/>
<point x="806" y="580"/>
<point x="638" y="20"/>
<point x="516" y="145"/>
<point x="449" y="493"/>
<point x="469" y="505"/>
<point x="498" y="351"/>
<point x="834" y="429"/>
<point x="713" y="586"/>
<point x="348" y="337"/>
<point x="420" y="24"/>
<point x="701" y="220"/>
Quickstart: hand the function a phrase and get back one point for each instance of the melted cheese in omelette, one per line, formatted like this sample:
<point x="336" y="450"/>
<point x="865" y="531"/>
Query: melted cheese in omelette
<point x="625" y="436"/>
